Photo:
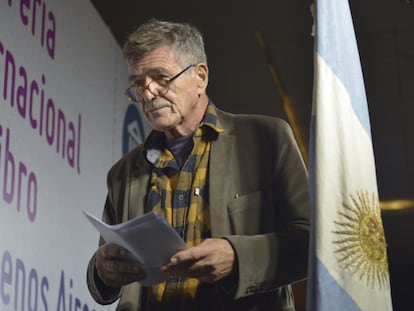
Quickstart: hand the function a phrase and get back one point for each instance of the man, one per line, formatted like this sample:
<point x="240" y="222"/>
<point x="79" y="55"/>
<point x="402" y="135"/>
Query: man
<point x="233" y="186"/>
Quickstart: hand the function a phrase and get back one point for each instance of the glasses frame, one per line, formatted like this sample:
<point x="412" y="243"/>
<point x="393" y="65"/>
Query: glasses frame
<point x="163" y="89"/>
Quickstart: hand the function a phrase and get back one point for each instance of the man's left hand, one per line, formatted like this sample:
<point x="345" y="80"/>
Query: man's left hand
<point x="210" y="261"/>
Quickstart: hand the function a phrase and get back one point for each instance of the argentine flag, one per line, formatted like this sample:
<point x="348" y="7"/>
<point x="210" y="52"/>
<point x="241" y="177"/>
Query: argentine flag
<point x="348" y="266"/>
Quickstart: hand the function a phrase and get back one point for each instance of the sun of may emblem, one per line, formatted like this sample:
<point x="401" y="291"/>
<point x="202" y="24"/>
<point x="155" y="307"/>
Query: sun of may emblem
<point x="360" y="240"/>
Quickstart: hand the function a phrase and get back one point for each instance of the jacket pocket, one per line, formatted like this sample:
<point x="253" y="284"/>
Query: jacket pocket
<point x="251" y="214"/>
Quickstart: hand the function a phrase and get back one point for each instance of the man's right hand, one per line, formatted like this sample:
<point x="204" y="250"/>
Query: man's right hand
<point x="114" y="268"/>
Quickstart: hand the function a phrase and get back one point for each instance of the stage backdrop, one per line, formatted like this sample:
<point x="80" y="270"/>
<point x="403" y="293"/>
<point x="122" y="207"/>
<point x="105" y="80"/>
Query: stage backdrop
<point x="63" y="122"/>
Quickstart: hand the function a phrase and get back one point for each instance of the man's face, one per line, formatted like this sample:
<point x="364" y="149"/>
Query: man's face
<point x="175" y="107"/>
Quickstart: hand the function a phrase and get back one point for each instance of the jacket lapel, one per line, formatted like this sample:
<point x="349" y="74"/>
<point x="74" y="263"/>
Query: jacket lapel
<point x="139" y="179"/>
<point x="221" y="155"/>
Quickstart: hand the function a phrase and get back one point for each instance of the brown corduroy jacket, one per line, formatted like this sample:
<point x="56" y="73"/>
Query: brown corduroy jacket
<point x="258" y="200"/>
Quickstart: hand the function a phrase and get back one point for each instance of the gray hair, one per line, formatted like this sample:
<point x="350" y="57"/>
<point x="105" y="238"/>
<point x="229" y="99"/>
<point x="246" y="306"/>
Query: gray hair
<point x="184" y="39"/>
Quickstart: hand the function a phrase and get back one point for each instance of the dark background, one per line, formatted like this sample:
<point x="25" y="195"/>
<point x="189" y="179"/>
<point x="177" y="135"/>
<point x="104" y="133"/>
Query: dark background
<point x="241" y="81"/>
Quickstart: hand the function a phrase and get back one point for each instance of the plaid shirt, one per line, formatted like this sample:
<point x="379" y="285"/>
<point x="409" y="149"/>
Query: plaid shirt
<point x="181" y="195"/>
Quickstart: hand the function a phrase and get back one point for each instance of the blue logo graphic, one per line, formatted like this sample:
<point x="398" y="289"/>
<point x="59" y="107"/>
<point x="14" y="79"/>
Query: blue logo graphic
<point x="133" y="131"/>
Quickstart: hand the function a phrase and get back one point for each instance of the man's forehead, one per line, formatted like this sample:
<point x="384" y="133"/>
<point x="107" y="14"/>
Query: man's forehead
<point x="159" y="60"/>
<point x="160" y="54"/>
<point x="145" y="71"/>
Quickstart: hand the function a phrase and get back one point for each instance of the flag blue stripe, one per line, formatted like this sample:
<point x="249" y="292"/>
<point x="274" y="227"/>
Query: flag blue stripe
<point x="330" y="295"/>
<point x="336" y="44"/>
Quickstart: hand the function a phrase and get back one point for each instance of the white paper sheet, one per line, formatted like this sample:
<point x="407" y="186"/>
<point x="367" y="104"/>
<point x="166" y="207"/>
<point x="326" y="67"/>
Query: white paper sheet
<point x="149" y="238"/>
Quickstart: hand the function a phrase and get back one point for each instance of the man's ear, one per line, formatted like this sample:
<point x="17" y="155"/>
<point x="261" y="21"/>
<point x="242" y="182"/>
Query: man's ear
<point x="201" y="71"/>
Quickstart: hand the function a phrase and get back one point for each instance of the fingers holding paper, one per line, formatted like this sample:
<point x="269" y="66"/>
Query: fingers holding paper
<point x="210" y="261"/>
<point x="115" y="268"/>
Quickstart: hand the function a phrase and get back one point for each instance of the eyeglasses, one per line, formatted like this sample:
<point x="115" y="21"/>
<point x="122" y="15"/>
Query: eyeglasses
<point x="157" y="87"/>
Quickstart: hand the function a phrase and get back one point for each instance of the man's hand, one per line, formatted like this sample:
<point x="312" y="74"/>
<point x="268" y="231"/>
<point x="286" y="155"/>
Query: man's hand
<point x="210" y="261"/>
<point x="114" y="268"/>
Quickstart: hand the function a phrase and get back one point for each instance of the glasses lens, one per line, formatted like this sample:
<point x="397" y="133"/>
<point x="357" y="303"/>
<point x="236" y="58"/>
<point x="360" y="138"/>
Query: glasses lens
<point x="159" y="87"/>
